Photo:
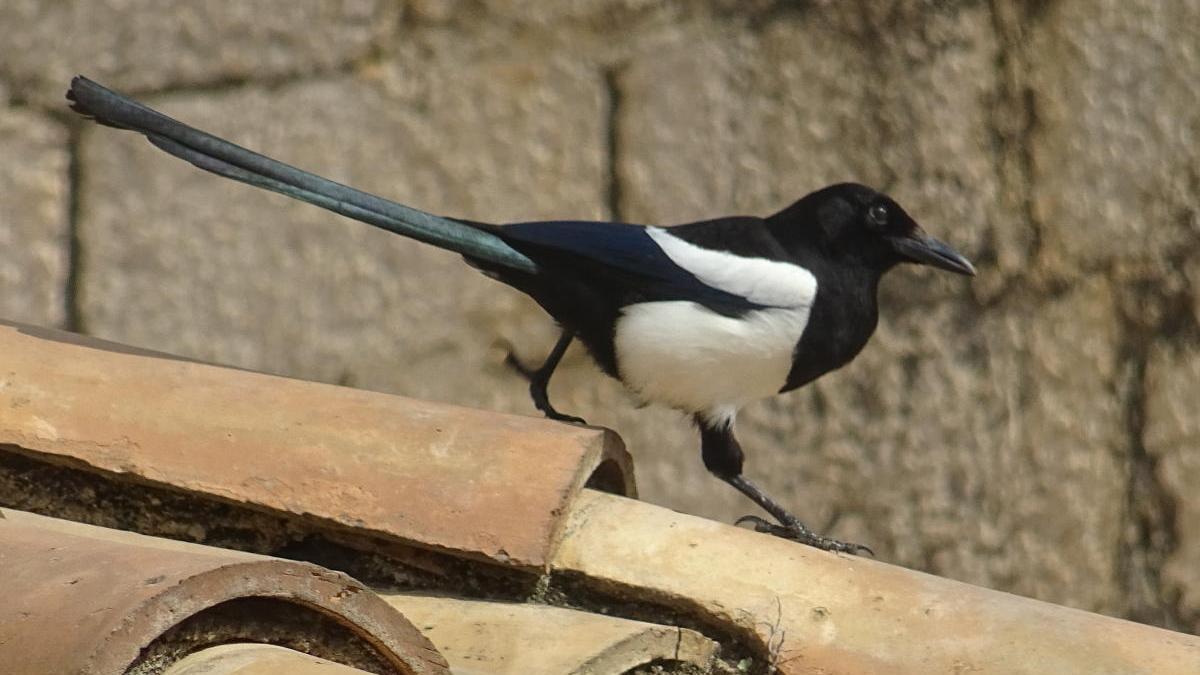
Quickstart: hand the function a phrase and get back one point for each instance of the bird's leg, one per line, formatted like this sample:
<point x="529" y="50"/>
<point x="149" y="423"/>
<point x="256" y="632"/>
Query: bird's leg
<point x="723" y="457"/>
<point x="539" y="379"/>
<point x="789" y="526"/>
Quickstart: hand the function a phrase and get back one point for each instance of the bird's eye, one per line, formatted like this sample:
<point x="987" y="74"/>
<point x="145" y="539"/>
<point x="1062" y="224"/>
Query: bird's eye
<point x="877" y="216"/>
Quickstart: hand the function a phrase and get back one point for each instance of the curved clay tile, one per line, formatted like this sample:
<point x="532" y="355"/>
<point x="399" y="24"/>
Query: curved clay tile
<point x="93" y="601"/>
<point x="478" y="484"/>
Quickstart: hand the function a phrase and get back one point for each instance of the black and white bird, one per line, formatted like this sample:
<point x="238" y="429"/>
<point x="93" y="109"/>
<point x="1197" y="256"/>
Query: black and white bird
<point x="704" y="318"/>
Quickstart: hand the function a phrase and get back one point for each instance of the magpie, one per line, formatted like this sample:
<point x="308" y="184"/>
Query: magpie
<point x="704" y="317"/>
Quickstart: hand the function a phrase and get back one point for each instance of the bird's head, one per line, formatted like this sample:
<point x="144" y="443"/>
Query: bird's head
<point x="854" y="224"/>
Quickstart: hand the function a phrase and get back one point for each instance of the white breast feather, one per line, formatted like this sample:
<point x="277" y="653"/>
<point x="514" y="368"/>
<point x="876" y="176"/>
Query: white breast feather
<point x="693" y="359"/>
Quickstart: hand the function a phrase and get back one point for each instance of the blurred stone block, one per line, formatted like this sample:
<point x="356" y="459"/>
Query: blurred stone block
<point x="142" y="45"/>
<point x="34" y="200"/>
<point x="1172" y="439"/>
<point x="1115" y="152"/>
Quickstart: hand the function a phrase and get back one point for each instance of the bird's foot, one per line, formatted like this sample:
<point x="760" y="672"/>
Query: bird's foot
<point x="795" y="530"/>
<point x="538" y="382"/>
<point x="553" y="414"/>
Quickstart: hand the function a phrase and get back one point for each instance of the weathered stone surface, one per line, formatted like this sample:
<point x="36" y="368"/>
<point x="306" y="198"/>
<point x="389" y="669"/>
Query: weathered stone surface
<point x="540" y="12"/>
<point x="34" y="200"/>
<point x="1172" y="439"/>
<point x="144" y="44"/>
<point x="1115" y="151"/>
<point x="687" y="149"/>
<point x="185" y="262"/>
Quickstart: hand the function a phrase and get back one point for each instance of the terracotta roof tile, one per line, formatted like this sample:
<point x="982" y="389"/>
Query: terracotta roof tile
<point x="480" y="484"/>
<point x="84" y="599"/>
<point x="817" y="612"/>
<point x="388" y="486"/>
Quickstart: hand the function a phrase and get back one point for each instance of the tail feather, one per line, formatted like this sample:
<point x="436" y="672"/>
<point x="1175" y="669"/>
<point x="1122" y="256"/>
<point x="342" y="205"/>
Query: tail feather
<point x="232" y="161"/>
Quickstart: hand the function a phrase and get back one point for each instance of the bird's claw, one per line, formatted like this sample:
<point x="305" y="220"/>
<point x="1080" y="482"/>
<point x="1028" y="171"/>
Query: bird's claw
<point x="796" y="531"/>
<point x="553" y="414"/>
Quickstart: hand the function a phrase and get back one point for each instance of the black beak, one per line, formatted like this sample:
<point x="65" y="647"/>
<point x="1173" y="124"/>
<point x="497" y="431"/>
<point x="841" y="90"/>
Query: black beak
<point x="922" y="249"/>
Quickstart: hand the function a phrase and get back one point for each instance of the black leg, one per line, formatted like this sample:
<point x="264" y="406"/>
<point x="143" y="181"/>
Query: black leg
<point x="789" y="526"/>
<point x="539" y="380"/>
<point x="723" y="456"/>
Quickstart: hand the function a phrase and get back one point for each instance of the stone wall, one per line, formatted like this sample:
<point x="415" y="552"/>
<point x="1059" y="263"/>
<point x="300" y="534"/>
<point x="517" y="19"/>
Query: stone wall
<point x="1035" y="430"/>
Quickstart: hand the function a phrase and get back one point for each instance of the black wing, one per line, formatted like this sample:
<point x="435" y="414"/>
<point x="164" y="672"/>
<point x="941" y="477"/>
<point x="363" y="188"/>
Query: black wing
<point x="619" y="254"/>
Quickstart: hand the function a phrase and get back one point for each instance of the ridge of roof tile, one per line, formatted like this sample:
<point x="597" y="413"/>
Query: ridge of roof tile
<point x="478" y="484"/>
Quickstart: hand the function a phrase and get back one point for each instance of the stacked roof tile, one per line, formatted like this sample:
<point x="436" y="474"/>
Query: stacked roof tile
<point x="168" y="516"/>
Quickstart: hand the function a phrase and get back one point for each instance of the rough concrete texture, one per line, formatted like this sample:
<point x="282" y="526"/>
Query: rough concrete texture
<point x="34" y="201"/>
<point x="813" y="611"/>
<point x="146" y="44"/>
<point x="252" y="659"/>
<point x="994" y="430"/>
<point x="499" y="638"/>
<point x="85" y="599"/>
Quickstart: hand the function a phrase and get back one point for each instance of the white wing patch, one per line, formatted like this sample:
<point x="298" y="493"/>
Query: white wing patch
<point x="761" y="281"/>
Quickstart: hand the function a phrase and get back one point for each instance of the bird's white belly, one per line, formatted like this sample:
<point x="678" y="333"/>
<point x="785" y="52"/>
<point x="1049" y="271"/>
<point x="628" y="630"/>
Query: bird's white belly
<point x="686" y="356"/>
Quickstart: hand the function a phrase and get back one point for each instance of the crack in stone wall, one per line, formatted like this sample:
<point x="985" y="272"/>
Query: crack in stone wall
<point x="612" y="83"/>
<point x="1014" y="121"/>
<point x="1149" y="535"/>
<point x="75" y="248"/>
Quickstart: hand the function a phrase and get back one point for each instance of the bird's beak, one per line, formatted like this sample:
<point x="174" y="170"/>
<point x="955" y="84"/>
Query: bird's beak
<point x="925" y="250"/>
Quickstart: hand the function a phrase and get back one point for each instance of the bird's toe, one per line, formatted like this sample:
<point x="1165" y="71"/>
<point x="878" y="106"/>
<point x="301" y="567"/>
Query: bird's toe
<point x="796" y="531"/>
<point x="569" y="419"/>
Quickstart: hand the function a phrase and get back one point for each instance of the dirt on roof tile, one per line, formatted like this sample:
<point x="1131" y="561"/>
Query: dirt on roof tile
<point x="84" y="599"/>
<point x="478" y="484"/>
